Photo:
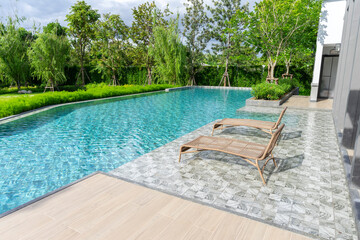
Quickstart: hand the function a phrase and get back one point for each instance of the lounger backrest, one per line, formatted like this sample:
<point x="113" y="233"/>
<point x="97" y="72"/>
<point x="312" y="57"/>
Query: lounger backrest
<point x="280" y="117"/>
<point x="273" y="141"/>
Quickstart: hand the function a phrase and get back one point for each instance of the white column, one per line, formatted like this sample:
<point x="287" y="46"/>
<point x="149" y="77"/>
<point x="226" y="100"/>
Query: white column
<point x="316" y="74"/>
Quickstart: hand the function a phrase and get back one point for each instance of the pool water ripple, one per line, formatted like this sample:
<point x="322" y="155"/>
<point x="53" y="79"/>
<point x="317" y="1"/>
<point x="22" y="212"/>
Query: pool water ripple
<point x="47" y="150"/>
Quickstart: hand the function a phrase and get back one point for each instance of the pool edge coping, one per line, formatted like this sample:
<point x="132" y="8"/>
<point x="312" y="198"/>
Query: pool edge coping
<point x="169" y="193"/>
<point x="45" y="108"/>
<point x="4" y="214"/>
<point x="22" y="206"/>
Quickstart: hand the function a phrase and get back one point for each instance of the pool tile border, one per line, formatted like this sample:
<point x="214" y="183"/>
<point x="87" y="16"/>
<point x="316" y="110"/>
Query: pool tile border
<point x="48" y="194"/>
<point x="45" y="108"/>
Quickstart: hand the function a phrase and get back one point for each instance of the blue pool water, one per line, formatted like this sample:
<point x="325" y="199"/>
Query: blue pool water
<point x="47" y="150"/>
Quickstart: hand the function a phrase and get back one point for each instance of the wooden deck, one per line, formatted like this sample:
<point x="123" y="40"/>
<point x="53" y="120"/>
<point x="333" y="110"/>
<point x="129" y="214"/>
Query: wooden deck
<point x="102" y="207"/>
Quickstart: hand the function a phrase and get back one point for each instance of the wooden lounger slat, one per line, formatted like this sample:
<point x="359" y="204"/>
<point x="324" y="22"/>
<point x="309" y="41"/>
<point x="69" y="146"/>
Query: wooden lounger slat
<point x="250" y="152"/>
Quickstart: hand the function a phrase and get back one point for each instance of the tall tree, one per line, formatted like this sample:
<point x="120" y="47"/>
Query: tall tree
<point x="48" y="56"/>
<point x="109" y="48"/>
<point x="302" y="44"/>
<point x="221" y="27"/>
<point x="55" y="27"/>
<point x="82" y="23"/>
<point x="196" y="36"/>
<point x="146" y="17"/>
<point x="14" y="43"/>
<point x="169" y="54"/>
<point x="273" y="23"/>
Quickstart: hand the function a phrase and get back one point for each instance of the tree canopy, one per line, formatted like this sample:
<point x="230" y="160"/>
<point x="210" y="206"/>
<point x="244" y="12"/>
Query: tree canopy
<point x="272" y="25"/>
<point x="220" y="26"/>
<point x="14" y="42"/>
<point x="225" y="37"/>
<point x="82" y="26"/>
<point x="48" y="56"/>
<point x="146" y="17"/>
<point x="196" y="35"/>
<point x="110" y="46"/>
<point x="169" y="54"/>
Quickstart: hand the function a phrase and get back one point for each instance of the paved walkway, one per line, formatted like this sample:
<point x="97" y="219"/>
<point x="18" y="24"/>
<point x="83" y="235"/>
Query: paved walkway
<point x="103" y="207"/>
<point x="306" y="193"/>
<point x="298" y="101"/>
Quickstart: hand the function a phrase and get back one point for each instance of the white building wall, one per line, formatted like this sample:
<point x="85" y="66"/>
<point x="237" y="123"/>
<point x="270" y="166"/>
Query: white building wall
<point x="329" y="33"/>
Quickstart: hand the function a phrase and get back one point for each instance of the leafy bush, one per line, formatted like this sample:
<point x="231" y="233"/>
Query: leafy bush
<point x="271" y="91"/>
<point x="15" y="89"/>
<point x="268" y="91"/>
<point x="22" y="103"/>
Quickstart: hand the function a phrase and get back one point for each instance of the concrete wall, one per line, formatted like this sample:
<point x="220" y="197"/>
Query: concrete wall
<point x="329" y="33"/>
<point x="346" y="107"/>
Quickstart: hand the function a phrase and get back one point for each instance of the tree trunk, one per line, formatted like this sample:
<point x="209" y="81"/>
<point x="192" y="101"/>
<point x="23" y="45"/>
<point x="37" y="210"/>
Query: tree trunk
<point x="114" y="77"/>
<point x="52" y="84"/>
<point x="272" y="65"/>
<point x="149" y="75"/>
<point x="82" y="70"/>
<point x="226" y="75"/>
<point x="287" y="63"/>
<point x="18" y="85"/>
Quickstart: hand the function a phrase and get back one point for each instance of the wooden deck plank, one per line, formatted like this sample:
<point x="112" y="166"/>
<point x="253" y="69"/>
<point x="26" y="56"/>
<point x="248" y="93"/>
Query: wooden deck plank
<point x="102" y="207"/>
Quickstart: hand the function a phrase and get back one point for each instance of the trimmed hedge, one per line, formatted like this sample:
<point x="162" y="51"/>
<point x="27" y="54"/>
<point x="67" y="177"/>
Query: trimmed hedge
<point x="208" y="76"/>
<point x="271" y="91"/>
<point x="22" y="103"/>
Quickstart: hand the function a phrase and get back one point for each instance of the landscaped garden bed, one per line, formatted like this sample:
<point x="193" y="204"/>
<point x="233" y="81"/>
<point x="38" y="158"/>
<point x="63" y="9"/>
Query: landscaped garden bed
<point x="21" y="103"/>
<point x="271" y="94"/>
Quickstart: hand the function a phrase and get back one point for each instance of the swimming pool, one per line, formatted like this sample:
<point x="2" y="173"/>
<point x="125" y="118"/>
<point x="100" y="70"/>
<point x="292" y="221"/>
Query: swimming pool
<point x="47" y="150"/>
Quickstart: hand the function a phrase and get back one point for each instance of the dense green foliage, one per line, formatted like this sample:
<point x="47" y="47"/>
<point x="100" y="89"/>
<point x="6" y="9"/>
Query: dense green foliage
<point x="224" y="39"/>
<point x="14" y="42"/>
<point x="221" y="30"/>
<point x="272" y="91"/>
<point x="169" y="54"/>
<point x="109" y="48"/>
<point x="272" y="25"/>
<point x="146" y="17"/>
<point x="82" y="26"/>
<point x="11" y="106"/>
<point x="196" y="36"/>
<point x="48" y="56"/>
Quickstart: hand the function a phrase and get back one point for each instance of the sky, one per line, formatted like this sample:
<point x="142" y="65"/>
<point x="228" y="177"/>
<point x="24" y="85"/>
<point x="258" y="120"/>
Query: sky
<point x="41" y="12"/>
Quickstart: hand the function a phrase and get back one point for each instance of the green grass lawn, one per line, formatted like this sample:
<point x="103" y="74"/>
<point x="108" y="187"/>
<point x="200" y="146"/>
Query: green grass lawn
<point x="14" y="103"/>
<point x="15" y="95"/>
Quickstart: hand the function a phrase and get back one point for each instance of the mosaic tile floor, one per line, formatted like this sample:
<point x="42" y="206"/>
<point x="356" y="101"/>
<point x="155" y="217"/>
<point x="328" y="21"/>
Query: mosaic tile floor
<point x="307" y="193"/>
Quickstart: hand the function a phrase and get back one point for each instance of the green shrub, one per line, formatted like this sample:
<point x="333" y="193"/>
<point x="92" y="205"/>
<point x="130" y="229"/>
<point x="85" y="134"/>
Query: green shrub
<point x="271" y="91"/>
<point x="268" y="91"/>
<point x="15" y="90"/>
<point x="22" y="103"/>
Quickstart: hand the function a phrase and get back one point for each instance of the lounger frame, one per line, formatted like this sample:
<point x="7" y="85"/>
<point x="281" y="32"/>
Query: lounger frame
<point x="267" y="154"/>
<point x="270" y="130"/>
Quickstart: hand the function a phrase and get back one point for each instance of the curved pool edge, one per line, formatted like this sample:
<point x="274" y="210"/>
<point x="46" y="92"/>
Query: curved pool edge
<point x="4" y="214"/>
<point x="45" y="108"/>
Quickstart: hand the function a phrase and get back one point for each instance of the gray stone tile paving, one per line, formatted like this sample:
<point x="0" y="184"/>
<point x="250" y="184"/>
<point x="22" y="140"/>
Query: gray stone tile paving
<point x="306" y="193"/>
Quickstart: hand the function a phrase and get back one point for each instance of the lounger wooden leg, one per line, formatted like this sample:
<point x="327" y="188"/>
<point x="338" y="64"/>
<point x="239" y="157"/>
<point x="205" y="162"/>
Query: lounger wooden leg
<point x="181" y="151"/>
<point x="212" y="133"/>
<point x="261" y="175"/>
<point x="214" y="127"/>
<point x="272" y="156"/>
